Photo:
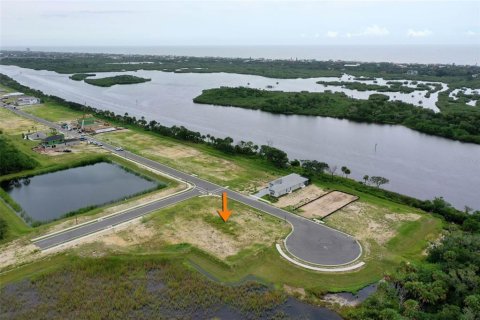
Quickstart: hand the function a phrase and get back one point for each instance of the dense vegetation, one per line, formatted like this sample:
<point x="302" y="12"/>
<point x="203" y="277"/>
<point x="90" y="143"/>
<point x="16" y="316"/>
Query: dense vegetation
<point x="81" y="76"/>
<point x="13" y="160"/>
<point x="136" y="288"/>
<point x="461" y="126"/>
<point x="86" y="63"/>
<point x="110" y="81"/>
<point x="392" y="86"/>
<point x="446" y="287"/>
<point x="3" y="228"/>
<point x="277" y="157"/>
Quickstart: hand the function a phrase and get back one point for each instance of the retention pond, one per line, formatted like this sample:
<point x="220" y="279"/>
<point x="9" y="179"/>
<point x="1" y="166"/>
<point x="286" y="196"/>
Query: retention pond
<point x="50" y="196"/>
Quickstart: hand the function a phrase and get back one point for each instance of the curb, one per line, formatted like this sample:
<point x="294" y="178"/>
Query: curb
<point x="339" y="269"/>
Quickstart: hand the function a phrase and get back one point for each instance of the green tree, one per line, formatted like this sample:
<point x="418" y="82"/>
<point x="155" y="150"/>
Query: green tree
<point x="3" y="228"/>
<point x="378" y="181"/>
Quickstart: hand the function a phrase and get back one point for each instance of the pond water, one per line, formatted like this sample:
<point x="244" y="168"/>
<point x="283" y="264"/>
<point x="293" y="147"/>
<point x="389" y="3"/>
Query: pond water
<point x="50" y="196"/>
<point x="417" y="164"/>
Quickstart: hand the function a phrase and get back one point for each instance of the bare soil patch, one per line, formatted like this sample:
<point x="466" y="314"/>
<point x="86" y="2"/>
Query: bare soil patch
<point x="300" y="196"/>
<point x="369" y="222"/>
<point x="327" y="204"/>
<point x="250" y="228"/>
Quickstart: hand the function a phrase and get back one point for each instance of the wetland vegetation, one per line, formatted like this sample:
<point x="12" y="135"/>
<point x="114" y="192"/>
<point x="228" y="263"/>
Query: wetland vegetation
<point x="463" y="126"/>
<point x="111" y="81"/>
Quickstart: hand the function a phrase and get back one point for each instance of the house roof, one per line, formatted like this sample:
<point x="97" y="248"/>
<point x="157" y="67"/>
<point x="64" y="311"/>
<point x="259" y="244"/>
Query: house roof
<point x="54" y="138"/>
<point x="286" y="182"/>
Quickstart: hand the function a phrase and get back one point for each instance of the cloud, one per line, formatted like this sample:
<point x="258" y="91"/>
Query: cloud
<point x="471" y="33"/>
<point x="332" y="34"/>
<point x="84" y="13"/>
<point x="418" y="33"/>
<point x="372" y="31"/>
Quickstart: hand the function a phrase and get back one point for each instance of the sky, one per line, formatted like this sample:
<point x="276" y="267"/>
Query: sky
<point x="170" y="23"/>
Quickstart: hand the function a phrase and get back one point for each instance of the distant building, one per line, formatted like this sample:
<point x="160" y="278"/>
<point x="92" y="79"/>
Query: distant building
<point x="287" y="184"/>
<point x="52" y="141"/>
<point x="12" y="94"/>
<point x="412" y="72"/>
<point x="24" y="101"/>
<point x="36" y="136"/>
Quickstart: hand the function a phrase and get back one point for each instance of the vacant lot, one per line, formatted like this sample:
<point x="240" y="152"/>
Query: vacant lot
<point x="300" y="196"/>
<point x="191" y="159"/>
<point x="10" y="123"/>
<point x="384" y="233"/>
<point x="196" y="222"/>
<point x="327" y="204"/>
<point x="52" y="112"/>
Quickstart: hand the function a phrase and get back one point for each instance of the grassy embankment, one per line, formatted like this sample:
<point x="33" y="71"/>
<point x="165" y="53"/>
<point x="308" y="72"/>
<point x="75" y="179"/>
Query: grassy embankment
<point x="408" y="237"/>
<point x="111" y="81"/>
<point x="456" y="125"/>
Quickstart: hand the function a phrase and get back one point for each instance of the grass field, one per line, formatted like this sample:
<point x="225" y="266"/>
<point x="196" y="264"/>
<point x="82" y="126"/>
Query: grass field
<point x="234" y="171"/>
<point x="52" y="112"/>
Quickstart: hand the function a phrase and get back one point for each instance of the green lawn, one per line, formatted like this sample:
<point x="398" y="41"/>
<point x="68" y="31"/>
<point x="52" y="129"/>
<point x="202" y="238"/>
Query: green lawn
<point x="53" y="112"/>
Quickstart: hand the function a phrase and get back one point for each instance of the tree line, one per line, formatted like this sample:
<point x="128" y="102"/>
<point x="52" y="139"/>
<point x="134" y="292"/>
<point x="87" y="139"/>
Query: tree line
<point x="461" y="125"/>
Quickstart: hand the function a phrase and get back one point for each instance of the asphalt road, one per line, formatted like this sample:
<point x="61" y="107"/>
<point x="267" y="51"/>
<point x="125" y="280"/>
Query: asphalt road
<point x="309" y="241"/>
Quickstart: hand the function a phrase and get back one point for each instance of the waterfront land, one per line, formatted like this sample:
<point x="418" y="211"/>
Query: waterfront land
<point x="455" y="75"/>
<point x="167" y="237"/>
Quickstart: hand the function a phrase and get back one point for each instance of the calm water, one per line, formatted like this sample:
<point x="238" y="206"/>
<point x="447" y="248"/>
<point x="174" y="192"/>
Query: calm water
<point x="50" y="196"/>
<point x="401" y="53"/>
<point x="418" y="165"/>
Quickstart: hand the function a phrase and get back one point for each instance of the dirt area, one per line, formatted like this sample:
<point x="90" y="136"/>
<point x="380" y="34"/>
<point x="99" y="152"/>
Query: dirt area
<point x="249" y="228"/>
<point x="368" y="222"/>
<point x="179" y="225"/>
<point x="80" y="147"/>
<point x="18" y="252"/>
<point x="10" y="123"/>
<point x="327" y="204"/>
<point x="300" y="196"/>
<point x="297" y="292"/>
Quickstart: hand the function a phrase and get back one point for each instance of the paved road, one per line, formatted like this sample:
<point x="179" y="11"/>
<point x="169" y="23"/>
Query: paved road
<point x="309" y="241"/>
<point x="109" y="222"/>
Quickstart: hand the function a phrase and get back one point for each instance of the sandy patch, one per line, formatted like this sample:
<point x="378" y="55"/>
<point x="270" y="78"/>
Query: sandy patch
<point x="327" y="204"/>
<point x="300" y="196"/>
<point x="296" y="292"/>
<point x="368" y="222"/>
<point x="10" y="123"/>
<point x="250" y="229"/>
<point x="16" y="252"/>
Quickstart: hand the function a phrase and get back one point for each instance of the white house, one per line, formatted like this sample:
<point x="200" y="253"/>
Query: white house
<point x="23" y="101"/>
<point x="287" y="184"/>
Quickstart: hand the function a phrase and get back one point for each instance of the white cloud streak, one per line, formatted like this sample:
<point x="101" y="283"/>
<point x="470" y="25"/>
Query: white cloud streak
<point x="418" y="33"/>
<point x="371" y="31"/>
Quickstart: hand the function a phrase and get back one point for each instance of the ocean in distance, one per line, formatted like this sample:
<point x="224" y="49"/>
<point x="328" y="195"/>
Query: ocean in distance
<point x="425" y="54"/>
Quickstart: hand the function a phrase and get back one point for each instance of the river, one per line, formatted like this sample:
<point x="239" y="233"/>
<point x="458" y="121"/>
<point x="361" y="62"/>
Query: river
<point x="417" y="164"/>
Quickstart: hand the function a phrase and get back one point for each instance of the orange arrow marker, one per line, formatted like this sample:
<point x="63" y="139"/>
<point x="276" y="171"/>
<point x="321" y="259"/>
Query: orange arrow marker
<point x="224" y="213"/>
